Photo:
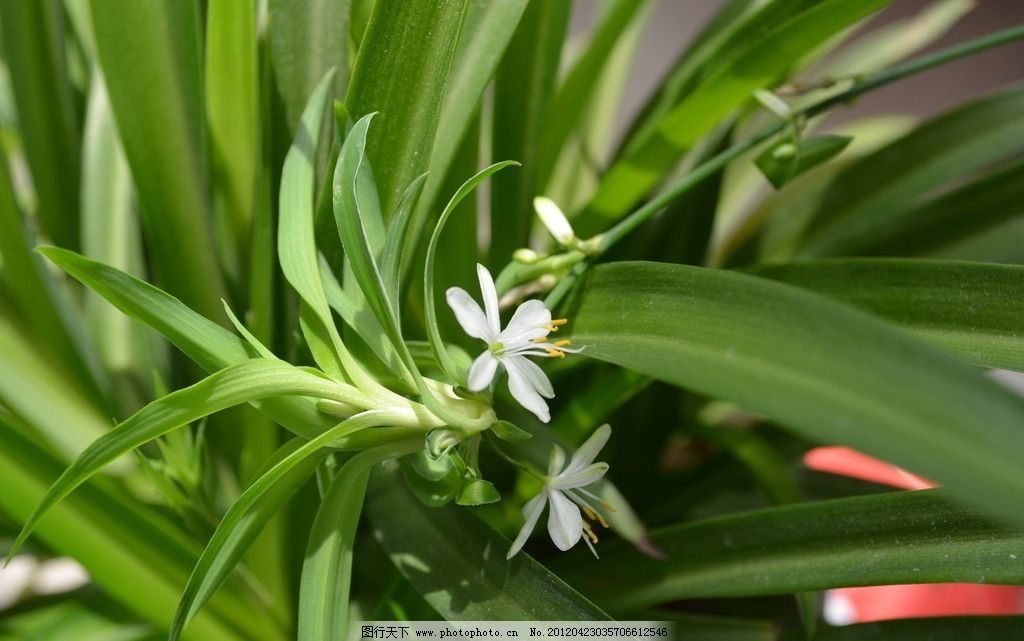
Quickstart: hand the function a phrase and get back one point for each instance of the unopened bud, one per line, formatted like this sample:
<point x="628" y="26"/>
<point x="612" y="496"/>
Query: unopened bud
<point x="526" y="256"/>
<point x="553" y="218"/>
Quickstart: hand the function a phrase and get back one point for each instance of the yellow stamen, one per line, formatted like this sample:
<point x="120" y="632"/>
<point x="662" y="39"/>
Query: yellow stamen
<point x="595" y="516"/>
<point x="555" y="324"/>
<point x="608" y="506"/>
<point x="563" y="342"/>
<point x="540" y="340"/>
<point x="589" y="532"/>
<point x="554" y="353"/>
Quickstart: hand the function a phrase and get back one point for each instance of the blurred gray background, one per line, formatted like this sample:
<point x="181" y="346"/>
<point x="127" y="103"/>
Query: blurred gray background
<point x="675" y="22"/>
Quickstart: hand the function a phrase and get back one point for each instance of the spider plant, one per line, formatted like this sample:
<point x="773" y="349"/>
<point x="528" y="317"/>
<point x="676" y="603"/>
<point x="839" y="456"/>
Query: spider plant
<point x="339" y="310"/>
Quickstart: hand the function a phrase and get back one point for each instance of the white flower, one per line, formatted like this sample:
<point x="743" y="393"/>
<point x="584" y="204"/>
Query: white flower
<point x="551" y="215"/>
<point x="564" y="490"/>
<point x="525" y="335"/>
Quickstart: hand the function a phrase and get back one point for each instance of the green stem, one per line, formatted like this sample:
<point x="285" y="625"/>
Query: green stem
<point x="525" y="467"/>
<point x="712" y="166"/>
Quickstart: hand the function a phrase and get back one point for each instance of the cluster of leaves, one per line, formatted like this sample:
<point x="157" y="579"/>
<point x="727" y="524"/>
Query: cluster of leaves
<point x="745" y="288"/>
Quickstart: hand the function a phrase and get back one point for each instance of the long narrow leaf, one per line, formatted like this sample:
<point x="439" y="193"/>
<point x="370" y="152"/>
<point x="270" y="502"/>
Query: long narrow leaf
<point x="307" y="39"/>
<point x="458" y="563"/>
<point x="402" y="71"/>
<point x="969" y="308"/>
<point x="232" y="109"/>
<point x="487" y="32"/>
<point x="202" y="340"/>
<point x="159" y="41"/>
<point x="821" y="368"/>
<point x="250" y="381"/>
<point x="46" y="310"/>
<point x="327" y="568"/>
<point x="444" y="359"/>
<point x="33" y="39"/>
<point x="523" y="86"/>
<point x="130" y="552"/>
<point x="763" y="61"/>
<point x="899" y="537"/>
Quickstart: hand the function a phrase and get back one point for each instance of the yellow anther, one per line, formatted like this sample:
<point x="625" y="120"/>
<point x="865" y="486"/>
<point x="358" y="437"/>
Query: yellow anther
<point x="558" y="322"/>
<point x="540" y="340"/>
<point x="563" y="342"/>
<point x="595" y="516"/>
<point x="551" y="328"/>
<point x="554" y="353"/>
<point x="608" y="506"/>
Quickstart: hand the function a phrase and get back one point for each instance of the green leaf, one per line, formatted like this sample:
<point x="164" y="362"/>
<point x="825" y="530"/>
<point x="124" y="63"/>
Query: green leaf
<point x="327" y="567"/>
<point x="235" y="385"/>
<point x="95" y="619"/>
<point x="458" y="563"/>
<point x="523" y="86"/>
<point x="402" y="72"/>
<point x="33" y="39"/>
<point x="396" y="238"/>
<point x="889" y="43"/>
<point x="288" y="470"/>
<point x="898" y="537"/>
<point x="765" y="58"/>
<point x="354" y="225"/>
<point x="953" y="220"/>
<point x="133" y="554"/>
<point x="282" y="476"/>
<point x="307" y="39"/>
<point x="486" y="34"/>
<point x="159" y="41"/>
<point x="365" y="324"/>
<point x="445" y="360"/>
<point x="111" y="235"/>
<point x="781" y="217"/>
<point x="202" y="340"/>
<point x="823" y="369"/>
<point x="787" y="159"/>
<point x="296" y="242"/>
<point x="864" y="200"/>
<point x="968" y="308"/>
<point x="477" y="492"/>
<point x="63" y="416"/>
<point x="232" y="109"/>
<point x="44" y="309"/>
<point x="564" y="111"/>
<point x="972" y="628"/>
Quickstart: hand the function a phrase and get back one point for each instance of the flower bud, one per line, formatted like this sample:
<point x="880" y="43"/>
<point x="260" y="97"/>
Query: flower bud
<point x="553" y="218"/>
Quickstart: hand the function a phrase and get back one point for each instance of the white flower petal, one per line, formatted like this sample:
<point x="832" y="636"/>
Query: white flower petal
<point x="523" y="390"/>
<point x="481" y="372"/>
<point x="529" y="322"/>
<point x="556" y="461"/>
<point x="469" y="315"/>
<point x="531" y="513"/>
<point x="570" y="481"/>
<point x="587" y="452"/>
<point x="534" y="375"/>
<point x="490" y="296"/>
<point x="565" y="525"/>
<point x="551" y="215"/>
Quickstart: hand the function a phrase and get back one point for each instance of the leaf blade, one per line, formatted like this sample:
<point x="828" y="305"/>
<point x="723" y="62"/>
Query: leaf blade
<point x="823" y="369"/>
<point x="898" y="537"/>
